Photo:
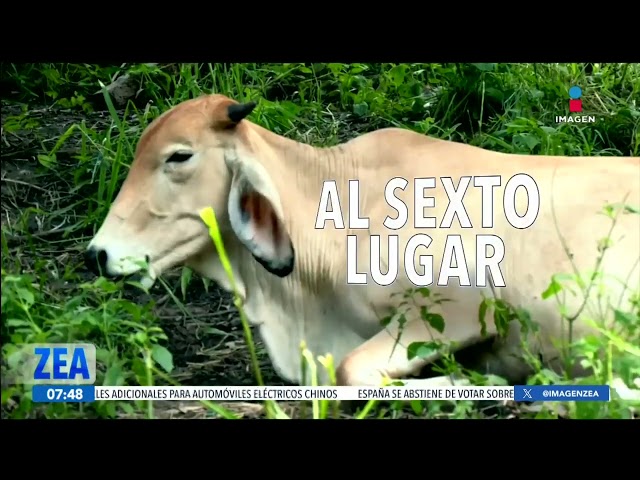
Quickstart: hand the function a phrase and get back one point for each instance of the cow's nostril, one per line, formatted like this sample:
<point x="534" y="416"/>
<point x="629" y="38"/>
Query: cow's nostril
<point x="96" y="260"/>
<point x="102" y="259"/>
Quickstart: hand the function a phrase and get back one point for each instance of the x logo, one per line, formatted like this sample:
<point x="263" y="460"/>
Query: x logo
<point x="527" y="393"/>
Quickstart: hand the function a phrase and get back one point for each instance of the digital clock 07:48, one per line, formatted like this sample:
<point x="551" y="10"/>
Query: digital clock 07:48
<point x="63" y="393"/>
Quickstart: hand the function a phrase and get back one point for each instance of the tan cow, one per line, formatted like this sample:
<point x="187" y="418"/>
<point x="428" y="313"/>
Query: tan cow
<point x="266" y="191"/>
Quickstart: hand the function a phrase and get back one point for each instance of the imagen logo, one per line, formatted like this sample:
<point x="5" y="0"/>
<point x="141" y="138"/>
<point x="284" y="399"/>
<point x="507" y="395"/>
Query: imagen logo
<point x="575" y="104"/>
<point x="575" y="107"/>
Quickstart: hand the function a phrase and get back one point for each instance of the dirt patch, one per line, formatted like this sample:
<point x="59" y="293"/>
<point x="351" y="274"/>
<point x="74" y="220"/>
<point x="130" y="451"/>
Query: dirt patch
<point x="208" y="343"/>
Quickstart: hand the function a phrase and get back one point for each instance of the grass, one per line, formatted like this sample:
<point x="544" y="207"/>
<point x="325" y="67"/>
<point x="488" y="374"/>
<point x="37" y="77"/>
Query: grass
<point x="67" y="145"/>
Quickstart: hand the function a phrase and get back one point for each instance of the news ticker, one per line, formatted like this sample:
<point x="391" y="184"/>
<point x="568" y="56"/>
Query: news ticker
<point x="518" y="393"/>
<point x="66" y="372"/>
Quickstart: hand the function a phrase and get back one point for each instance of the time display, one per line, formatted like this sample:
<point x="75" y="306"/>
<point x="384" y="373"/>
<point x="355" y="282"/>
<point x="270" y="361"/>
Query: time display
<point x="63" y="393"/>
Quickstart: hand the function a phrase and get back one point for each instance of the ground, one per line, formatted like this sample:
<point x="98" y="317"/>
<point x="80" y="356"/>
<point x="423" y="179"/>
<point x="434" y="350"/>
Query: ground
<point x="62" y="162"/>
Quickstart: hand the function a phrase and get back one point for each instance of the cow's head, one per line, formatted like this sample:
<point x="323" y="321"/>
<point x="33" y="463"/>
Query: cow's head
<point x="198" y="154"/>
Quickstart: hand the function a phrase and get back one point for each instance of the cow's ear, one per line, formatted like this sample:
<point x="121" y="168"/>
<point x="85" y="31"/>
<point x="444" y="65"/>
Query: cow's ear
<point x="256" y="217"/>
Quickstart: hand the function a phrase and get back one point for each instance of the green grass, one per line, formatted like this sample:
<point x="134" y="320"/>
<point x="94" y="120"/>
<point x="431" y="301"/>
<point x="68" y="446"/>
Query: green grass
<point x="67" y="147"/>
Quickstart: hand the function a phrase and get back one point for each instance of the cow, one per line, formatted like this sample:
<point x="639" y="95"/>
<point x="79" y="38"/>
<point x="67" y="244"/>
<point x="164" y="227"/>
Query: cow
<point x="308" y="245"/>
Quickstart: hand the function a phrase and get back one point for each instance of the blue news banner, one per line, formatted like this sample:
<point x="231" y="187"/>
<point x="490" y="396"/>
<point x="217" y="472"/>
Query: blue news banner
<point x="66" y="372"/>
<point x="522" y="393"/>
<point x="63" y="393"/>
<point x="561" y="393"/>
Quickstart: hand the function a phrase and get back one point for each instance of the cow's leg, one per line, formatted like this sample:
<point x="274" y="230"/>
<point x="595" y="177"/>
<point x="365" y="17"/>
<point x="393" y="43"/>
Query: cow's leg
<point x="385" y="354"/>
<point x="384" y="357"/>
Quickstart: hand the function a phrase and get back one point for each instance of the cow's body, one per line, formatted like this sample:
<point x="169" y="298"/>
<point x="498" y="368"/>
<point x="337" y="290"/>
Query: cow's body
<point x="313" y="302"/>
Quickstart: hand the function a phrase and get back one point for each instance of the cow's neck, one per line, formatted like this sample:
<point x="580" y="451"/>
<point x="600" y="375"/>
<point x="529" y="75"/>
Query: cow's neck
<point x="306" y="166"/>
<point x="299" y="171"/>
<point x="300" y="306"/>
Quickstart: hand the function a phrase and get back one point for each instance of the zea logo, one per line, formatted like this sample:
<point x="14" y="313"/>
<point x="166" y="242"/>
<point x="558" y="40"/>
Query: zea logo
<point x="58" y="364"/>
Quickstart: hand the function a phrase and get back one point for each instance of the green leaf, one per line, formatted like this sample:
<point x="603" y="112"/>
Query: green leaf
<point x="114" y="375"/>
<point x="433" y="319"/>
<point x="17" y="322"/>
<point x="127" y="407"/>
<point x="425" y="292"/>
<point x="162" y="357"/>
<point x="46" y="160"/>
<point x="524" y="317"/>
<point x="397" y="74"/>
<point x="631" y="209"/>
<point x="26" y="296"/>
<point x="624" y="318"/>
<point x="361" y="109"/>
<point x="553" y="289"/>
<point x="482" y="311"/>
<point x="416" y="406"/>
<point x="214" y="331"/>
<point x="422" y="349"/>
<point x="484" y="67"/>
<point x="530" y="140"/>
<point x="103" y="355"/>
<point x="185" y="279"/>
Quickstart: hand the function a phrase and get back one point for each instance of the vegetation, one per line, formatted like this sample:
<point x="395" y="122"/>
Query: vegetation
<point x="67" y="143"/>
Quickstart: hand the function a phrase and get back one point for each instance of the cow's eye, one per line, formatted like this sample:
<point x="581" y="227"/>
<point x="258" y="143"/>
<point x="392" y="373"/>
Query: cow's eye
<point x="179" y="157"/>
